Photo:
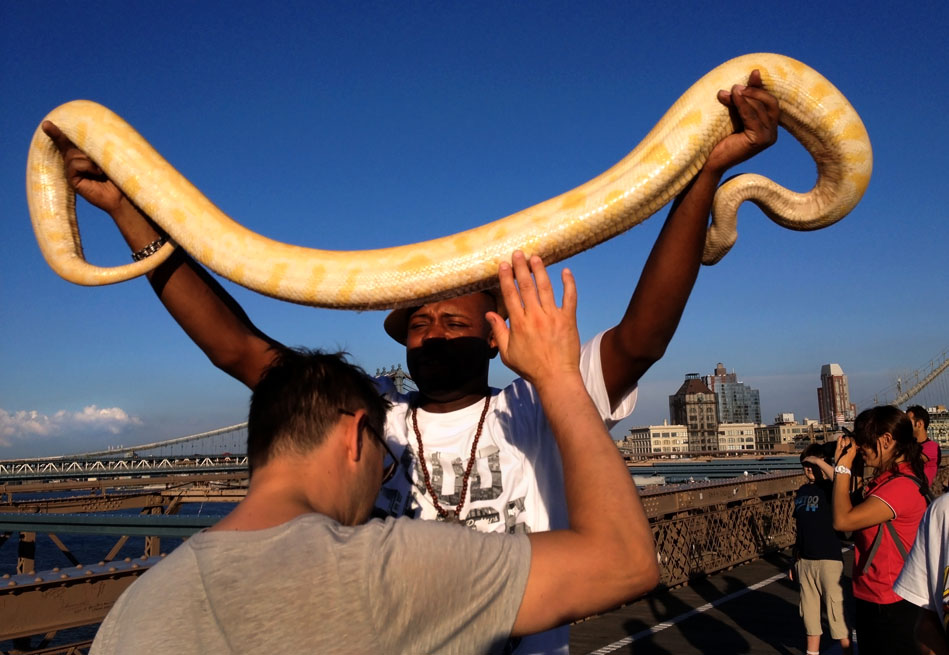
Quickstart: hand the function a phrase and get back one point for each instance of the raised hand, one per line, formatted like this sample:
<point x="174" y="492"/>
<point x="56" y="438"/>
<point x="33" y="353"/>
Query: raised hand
<point x="846" y="451"/>
<point x="542" y="342"/>
<point x="754" y="114"/>
<point x="83" y="175"/>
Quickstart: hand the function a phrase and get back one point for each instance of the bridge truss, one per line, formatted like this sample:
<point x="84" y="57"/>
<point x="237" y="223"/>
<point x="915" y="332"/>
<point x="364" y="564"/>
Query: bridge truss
<point x="699" y="529"/>
<point x="927" y="385"/>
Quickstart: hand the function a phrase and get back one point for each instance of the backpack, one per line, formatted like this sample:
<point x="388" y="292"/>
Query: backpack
<point x="925" y="492"/>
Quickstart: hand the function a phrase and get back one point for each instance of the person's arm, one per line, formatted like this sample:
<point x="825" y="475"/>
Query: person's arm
<point x="607" y="556"/>
<point x="200" y="305"/>
<point x="822" y="464"/>
<point x="848" y="517"/>
<point x="642" y="335"/>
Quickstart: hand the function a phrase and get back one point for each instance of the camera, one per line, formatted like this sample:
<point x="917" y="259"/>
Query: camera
<point x="827" y="451"/>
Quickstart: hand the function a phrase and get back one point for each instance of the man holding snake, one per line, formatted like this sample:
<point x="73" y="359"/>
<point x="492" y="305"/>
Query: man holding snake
<point x="468" y="452"/>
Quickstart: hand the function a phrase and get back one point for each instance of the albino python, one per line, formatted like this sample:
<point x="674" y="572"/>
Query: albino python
<point x="812" y="110"/>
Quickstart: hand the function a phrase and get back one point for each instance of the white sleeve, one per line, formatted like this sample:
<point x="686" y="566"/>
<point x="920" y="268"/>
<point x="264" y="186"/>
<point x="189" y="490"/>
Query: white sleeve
<point x="913" y="583"/>
<point x="591" y="369"/>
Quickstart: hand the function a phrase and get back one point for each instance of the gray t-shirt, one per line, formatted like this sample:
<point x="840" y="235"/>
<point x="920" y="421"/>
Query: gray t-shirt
<point x="312" y="585"/>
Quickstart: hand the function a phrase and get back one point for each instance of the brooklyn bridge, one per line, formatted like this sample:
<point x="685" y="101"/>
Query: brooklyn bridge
<point x="76" y="530"/>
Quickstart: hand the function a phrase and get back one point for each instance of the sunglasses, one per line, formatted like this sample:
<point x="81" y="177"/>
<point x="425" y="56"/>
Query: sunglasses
<point x="391" y="462"/>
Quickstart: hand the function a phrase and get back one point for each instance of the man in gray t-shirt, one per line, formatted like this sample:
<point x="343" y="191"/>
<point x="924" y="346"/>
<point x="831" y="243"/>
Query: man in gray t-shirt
<point x="296" y="567"/>
<point x="314" y="586"/>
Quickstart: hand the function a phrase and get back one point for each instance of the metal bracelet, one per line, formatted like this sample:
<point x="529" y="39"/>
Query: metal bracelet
<point x="150" y="249"/>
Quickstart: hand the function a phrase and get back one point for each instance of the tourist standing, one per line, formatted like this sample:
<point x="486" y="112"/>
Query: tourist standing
<point x="884" y="524"/>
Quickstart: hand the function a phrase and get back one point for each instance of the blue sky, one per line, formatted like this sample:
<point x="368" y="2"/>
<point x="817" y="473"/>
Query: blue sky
<point x="361" y="125"/>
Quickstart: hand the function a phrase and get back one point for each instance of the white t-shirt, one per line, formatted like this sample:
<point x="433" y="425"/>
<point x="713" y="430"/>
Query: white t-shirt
<point x="924" y="580"/>
<point x="516" y="481"/>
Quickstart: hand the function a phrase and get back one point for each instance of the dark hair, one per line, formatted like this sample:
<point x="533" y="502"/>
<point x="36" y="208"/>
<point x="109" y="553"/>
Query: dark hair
<point x="919" y="414"/>
<point x="813" y="450"/>
<point x="297" y="402"/>
<point x="873" y="423"/>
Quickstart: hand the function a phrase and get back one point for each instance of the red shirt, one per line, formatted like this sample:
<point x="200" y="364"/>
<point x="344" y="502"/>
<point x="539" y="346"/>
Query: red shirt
<point x="875" y="584"/>
<point x="931" y="450"/>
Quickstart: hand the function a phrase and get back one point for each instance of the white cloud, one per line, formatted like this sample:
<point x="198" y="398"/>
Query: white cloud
<point x="91" y="420"/>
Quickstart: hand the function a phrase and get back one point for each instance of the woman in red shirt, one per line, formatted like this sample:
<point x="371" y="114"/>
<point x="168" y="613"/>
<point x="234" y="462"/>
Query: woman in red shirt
<point x="893" y="505"/>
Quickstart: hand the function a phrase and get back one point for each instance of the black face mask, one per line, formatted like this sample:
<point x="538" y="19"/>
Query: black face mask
<point x="448" y="365"/>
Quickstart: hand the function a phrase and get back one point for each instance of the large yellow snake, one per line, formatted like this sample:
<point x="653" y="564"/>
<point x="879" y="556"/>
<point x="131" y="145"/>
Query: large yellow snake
<point x="812" y="110"/>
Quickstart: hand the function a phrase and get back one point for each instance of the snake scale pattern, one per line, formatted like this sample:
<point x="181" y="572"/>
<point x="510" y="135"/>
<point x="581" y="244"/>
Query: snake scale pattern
<point x="812" y="110"/>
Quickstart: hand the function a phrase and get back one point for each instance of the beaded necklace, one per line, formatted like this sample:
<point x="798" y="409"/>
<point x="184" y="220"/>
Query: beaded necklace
<point x="453" y="516"/>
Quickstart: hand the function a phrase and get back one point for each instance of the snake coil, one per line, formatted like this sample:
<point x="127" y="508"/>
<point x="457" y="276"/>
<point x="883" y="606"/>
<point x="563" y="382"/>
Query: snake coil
<point x="812" y="110"/>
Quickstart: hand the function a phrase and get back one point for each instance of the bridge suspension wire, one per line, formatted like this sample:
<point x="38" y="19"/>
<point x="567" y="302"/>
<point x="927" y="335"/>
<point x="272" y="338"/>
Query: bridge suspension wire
<point x="928" y="386"/>
<point x="936" y="370"/>
<point x="235" y="435"/>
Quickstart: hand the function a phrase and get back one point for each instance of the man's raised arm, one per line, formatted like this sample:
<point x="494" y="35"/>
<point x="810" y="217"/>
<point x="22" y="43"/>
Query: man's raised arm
<point x="200" y="305"/>
<point x="642" y="335"/>
<point x="607" y="556"/>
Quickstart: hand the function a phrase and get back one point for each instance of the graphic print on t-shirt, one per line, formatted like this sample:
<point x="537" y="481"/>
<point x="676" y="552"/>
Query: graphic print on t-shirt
<point x="447" y="478"/>
<point x="807" y="503"/>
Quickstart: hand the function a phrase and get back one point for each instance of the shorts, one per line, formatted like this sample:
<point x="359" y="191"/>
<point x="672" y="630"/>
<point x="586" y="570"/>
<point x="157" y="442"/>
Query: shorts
<point x="820" y="579"/>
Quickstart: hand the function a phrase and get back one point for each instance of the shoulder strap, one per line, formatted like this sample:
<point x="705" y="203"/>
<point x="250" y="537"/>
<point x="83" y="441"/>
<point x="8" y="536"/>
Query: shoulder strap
<point x="896" y="538"/>
<point x="924" y="491"/>
<point x="879" y="539"/>
<point x="873" y="549"/>
<point x="889" y="523"/>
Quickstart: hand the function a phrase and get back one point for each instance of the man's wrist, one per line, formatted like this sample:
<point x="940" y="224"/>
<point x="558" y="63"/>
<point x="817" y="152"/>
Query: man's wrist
<point x="569" y="378"/>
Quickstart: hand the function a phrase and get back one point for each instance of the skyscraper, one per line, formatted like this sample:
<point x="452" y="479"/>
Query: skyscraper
<point x="833" y="396"/>
<point x="737" y="402"/>
<point x="694" y="406"/>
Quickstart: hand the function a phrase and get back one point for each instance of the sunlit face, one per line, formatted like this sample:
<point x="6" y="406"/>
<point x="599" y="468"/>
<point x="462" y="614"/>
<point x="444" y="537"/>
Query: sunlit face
<point x="448" y="319"/>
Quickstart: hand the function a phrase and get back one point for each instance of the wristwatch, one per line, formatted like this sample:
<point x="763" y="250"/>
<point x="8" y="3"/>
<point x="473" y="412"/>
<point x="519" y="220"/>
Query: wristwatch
<point x="843" y="469"/>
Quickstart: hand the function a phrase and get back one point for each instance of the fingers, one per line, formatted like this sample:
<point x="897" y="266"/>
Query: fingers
<point x="755" y="78"/>
<point x="763" y="104"/>
<point x="569" y="293"/>
<point x="545" y="291"/>
<point x="755" y="113"/>
<point x="53" y="132"/>
<point x="76" y="161"/>
<point x="740" y="94"/>
<point x="533" y="282"/>
<point x="60" y="140"/>
<point x="500" y="330"/>
<point x="525" y="282"/>
<point x="512" y="299"/>
<point x="502" y="334"/>
<point x="843" y="443"/>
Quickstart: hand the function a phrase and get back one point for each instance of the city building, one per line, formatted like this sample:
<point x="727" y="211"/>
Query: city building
<point x="656" y="440"/>
<point x="786" y="435"/>
<point x="833" y="397"/>
<point x="737" y="402"/>
<point x="736" y="436"/>
<point x="695" y="406"/>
